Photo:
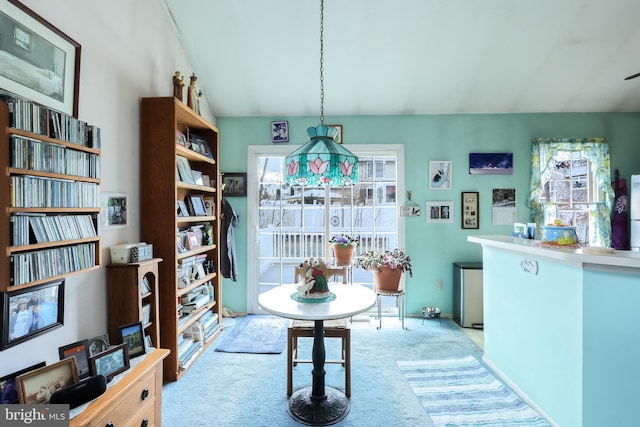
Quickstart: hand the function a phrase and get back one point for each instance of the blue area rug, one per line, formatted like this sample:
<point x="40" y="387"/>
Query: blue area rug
<point x="462" y="392"/>
<point x="256" y="334"/>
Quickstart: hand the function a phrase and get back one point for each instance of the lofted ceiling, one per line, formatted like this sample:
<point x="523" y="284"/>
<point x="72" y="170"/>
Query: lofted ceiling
<point x="387" y="57"/>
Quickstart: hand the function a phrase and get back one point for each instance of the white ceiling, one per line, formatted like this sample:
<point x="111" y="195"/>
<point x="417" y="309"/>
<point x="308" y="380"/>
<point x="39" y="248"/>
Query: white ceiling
<point x="261" y="58"/>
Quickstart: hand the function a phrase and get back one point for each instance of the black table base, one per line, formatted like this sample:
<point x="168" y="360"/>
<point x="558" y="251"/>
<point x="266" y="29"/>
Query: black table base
<point x="323" y="412"/>
<point x="318" y="405"/>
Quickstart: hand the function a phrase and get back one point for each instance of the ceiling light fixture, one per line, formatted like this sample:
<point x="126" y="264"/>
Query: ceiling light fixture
<point x="322" y="161"/>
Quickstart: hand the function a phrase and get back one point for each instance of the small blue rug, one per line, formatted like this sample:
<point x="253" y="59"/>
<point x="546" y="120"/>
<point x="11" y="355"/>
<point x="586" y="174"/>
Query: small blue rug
<point x="462" y="392"/>
<point x="256" y="334"/>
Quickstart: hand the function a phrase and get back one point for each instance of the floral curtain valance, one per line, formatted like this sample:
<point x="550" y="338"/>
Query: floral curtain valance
<point x="544" y="153"/>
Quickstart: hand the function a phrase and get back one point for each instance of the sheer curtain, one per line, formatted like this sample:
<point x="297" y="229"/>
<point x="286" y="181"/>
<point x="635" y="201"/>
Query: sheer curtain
<point x="543" y="155"/>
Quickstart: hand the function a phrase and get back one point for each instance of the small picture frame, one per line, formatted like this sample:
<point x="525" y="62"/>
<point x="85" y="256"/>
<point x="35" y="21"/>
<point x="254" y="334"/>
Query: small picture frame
<point x="193" y="240"/>
<point x="439" y="212"/>
<point x="470" y="211"/>
<point x="181" y="208"/>
<point x="196" y="205"/>
<point x="8" y="386"/>
<point x="234" y="184"/>
<point x="114" y="210"/>
<point x="132" y="335"/>
<point x="110" y="362"/>
<point x="338" y="137"/>
<point x="184" y="170"/>
<point x="440" y="175"/>
<point x="279" y="131"/>
<point x="32" y="311"/>
<point x="36" y="387"/>
<point x="79" y="350"/>
<point x="209" y="205"/>
<point x="98" y="344"/>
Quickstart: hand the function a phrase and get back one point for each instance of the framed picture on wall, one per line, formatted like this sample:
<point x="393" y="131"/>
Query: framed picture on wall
<point x="39" y="62"/>
<point x="439" y="212"/>
<point x="234" y="184"/>
<point x="280" y="131"/>
<point x="440" y="175"/>
<point x="32" y="311"/>
<point x="113" y="207"/>
<point x="470" y="211"/>
<point x="491" y="163"/>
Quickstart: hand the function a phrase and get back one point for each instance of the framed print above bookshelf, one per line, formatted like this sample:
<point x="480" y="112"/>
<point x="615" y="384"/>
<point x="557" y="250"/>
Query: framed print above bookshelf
<point x="234" y="184"/>
<point x="40" y="62"/>
<point x="280" y="131"/>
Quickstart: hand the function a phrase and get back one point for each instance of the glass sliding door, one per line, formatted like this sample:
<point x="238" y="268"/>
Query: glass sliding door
<point x="294" y="223"/>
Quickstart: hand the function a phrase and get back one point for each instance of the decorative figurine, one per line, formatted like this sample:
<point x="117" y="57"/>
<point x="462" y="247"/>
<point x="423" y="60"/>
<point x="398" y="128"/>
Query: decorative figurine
<point x="193" y="95"/>
<point x="178" y="84"/>
<point x="315" y="283"/>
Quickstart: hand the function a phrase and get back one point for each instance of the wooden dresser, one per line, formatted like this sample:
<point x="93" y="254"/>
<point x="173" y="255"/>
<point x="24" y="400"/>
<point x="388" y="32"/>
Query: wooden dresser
<point x="135" y="400"/>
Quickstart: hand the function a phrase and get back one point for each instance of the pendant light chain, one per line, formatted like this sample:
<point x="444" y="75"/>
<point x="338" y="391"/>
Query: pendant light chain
<point x="322" y="62"/>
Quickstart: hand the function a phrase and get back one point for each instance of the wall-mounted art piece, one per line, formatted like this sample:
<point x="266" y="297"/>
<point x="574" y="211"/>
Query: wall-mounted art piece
<point x="439" y="211"/>
<point x="491" y="163"/>
<point x="37" y="60"/>
<point x="279" y="131"/>
<point x="440" y="175"/>
<point x="114" y="210"/>
<point x="470" y="210"/>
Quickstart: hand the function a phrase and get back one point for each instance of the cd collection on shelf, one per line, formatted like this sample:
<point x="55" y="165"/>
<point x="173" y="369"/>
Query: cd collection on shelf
<point x="31" y="228"/>
<point x="37" y="265"/>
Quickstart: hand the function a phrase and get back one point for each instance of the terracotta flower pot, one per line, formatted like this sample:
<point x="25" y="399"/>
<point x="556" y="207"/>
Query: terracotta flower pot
<point x="387" y="279"/>
<point x="343" y="254"/>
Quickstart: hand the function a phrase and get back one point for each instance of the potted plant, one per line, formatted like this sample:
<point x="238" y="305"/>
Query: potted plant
<point x="387" y="267"/>
<point x="343" y="247"/>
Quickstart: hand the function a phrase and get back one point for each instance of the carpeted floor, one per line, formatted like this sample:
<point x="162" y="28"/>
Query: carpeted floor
<point x="222" y="389"/>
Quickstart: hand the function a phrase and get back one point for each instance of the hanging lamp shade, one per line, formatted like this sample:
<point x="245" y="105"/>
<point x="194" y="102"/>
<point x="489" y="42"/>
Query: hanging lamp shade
<point x="322" y="161"/>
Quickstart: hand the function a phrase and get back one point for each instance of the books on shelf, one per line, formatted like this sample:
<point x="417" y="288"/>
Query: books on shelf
<point x="145" y="286"/>
<point x="146" y="314"/>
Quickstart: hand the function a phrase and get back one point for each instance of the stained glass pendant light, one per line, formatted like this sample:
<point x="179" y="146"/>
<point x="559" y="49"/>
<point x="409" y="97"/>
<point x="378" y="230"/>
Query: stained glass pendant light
<point x="322" y="161"/>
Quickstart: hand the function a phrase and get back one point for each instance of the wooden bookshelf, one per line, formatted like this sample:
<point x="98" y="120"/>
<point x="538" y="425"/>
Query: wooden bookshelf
<point x="20" y="197"/>
<point x="161" y="189"/>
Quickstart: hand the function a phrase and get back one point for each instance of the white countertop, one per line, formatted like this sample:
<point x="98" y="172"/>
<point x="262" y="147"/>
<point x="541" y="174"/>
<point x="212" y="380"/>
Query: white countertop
<point x="350" y="300"/>
<point x="618" y="258"/>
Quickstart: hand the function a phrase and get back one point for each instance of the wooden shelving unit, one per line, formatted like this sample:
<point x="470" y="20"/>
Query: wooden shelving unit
<point x="127" y="297"/>
<point x="14" y="207"/>
<point x="161" y="189"/>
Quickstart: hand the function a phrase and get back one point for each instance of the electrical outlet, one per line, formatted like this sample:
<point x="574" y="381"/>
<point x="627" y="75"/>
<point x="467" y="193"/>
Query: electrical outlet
<point x="439" y="284"/>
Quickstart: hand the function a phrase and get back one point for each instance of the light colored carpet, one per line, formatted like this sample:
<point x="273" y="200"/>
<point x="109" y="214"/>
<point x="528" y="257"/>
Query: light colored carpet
<point x="244" y="389"/>
<point x="461" y="392"/>
<point x="256" y="334"/>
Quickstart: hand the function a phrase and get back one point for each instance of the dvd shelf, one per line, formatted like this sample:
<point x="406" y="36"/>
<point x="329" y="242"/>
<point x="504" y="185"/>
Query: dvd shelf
<point x="180" y="151"/>
<point x="51" y="183"/>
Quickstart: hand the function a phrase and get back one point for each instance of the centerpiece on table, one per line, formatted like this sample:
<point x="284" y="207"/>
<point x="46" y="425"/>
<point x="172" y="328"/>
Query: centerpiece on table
<point x="387" y="267"/>
<point x="343" y="247"/>
<point x="314" y="287"/>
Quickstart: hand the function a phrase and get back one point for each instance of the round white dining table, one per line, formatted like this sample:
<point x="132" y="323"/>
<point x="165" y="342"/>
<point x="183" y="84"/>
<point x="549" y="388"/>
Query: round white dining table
<point x="318" y="405"/>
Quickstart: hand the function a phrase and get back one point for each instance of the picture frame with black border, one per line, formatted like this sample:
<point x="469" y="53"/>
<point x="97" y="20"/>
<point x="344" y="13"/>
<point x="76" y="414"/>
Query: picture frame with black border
<point x="8" y="386"/>
<point x="37" y="386"/>
<point x="79" y="350"/>
<point x="132" y="334"/>
<point x="111" y="362"/>
<point x="57" y="86"/>
<point x="279" y="131"/>
<point x="30" y="312"/>
<point x="234" y="184"/>
<point x="196" y="205"/>
<point x="470" y="212"/>
<point x="98" y="344"/>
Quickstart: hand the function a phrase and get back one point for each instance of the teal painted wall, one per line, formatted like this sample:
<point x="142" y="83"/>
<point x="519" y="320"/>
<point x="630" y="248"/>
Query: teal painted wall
<point x="434" y="247"/>
<point x="611" y="347"/>
<point x="533" y="330"/>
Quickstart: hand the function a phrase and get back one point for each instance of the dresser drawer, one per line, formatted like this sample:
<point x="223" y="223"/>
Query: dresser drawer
<point x="139" y="397"/>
